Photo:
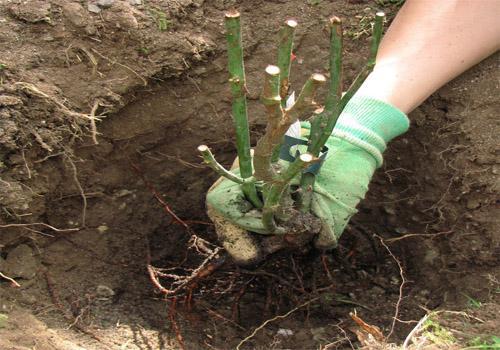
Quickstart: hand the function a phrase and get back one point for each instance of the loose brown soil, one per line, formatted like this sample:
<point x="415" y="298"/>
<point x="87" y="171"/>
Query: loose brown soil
<point x="160" y="93"/>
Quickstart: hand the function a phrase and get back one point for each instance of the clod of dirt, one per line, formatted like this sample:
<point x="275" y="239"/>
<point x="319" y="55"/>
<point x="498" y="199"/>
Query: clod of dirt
<point x="20" y="263"/>
<point x="76" y="14"/>
<point x="6" y="101"/>
<point x="122" y="15"/>
<point x="12" y="194"/>
<point x="31" y="11"/>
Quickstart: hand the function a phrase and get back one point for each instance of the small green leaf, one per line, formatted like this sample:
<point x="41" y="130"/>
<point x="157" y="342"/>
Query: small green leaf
<point x="3" y="320"/>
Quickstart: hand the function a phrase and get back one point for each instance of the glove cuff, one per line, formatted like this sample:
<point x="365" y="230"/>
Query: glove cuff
<point x="370" y="124"/>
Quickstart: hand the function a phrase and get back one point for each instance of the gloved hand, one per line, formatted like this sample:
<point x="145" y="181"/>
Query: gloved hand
<point x="355" y="151"/>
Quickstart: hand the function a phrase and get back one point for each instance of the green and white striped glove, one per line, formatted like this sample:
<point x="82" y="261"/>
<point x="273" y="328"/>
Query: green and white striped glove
<point x="355" y="151"/>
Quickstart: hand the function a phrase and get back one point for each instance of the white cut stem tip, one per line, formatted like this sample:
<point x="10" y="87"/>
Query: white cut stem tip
<point x="272" y="70"/>
<point x="335" y="20"/>
<point x="380" y="14"/>
<point x="306" y="157"/>
<point x="232" y="14"/>
<point x="203" y="148"/>
<point x="291" y="23"/>
<point x="320" y="78"/>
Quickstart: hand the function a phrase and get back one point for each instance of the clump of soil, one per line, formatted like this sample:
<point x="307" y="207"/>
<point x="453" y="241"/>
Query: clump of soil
<point x="81" y="219"/>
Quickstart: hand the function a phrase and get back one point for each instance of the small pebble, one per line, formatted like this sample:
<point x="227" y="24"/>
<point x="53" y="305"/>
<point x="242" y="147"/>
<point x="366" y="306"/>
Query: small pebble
<point x="135" y="2"/>
<point x="104" y="291"/>
<point x="3" y="320"/>
<point x="284" y="332"/>
<point x="93" y="8"/>
<point x="102" y="228"/>
<point x="105" y="4"/>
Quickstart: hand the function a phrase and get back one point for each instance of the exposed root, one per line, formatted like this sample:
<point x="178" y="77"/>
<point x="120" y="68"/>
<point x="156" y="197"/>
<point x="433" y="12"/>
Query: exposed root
<point x="91" y="118"/>
<point x="80" y="189"/>
<point x="368" y="328"/>
<point x="401" y="286"/>
<point x="279" y="317"/>
<point x="414" y="331"/>
<point x="214" y="256"/>
<point x="26" y="164"/>
<point x="410" y="235"/>
<point x="173" y="322"/>
<point x="56" y="300"/>
<point x="31" y="88"/>
<point x="93" y="127"/>
<point x="41" y="142"/>
<point x="44" y="225"/>
<point x="11" y="280"/>
<point x="144" y="81"/>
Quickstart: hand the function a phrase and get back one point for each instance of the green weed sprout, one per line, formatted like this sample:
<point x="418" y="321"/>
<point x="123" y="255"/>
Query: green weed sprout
<point x="265" y="181"/>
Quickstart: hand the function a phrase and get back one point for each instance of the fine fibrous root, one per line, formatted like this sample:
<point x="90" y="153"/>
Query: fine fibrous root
<point x="91" y="117"/>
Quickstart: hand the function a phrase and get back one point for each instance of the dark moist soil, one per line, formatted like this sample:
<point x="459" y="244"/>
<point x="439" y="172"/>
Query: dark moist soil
<point x="161" y="93"/>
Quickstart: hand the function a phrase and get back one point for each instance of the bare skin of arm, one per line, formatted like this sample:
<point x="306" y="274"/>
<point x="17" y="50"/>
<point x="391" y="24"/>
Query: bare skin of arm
<point x="429" y="43"/>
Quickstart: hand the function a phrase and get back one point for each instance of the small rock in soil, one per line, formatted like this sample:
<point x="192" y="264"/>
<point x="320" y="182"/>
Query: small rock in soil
<point x="473" y="203"/>
<point x="318" y="333"/>
<point x="135" y="2"/>
<point x="20" y="263"/>
<point x="285" y="332"/>
<point x="102" y="228"/>
<point x="104" y="291"/>
<point x="93" y="8"/>
<point x="377" y="290"/>
<point x="105" y="4"/>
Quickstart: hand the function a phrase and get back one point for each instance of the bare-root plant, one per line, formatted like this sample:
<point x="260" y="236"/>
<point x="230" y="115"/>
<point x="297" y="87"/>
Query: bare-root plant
<point x="265" y="181"/>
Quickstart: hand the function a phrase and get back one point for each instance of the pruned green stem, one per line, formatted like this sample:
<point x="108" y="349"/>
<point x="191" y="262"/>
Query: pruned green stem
<point x="356" y="84"/>
<point x="305" y="103"/>
<point x="328" y="118"/>
<point x="239" y="106"/>
<point x="265" y="146"/>
<point x="324" y="122"/>
<point x="209" y="159"/>
<point x="279" y="122"/>
<point x="278" y="188"/>
<point x="285" y="57"/>
<point x="378" y="28"/>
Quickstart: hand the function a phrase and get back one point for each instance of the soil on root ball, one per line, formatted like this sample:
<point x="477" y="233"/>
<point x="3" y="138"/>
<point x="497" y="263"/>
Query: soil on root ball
<point x="426" y="236"/>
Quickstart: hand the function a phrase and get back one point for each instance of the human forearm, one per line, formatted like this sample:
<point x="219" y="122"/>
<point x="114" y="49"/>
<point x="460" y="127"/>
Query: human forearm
<point x="428" y="44"/>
